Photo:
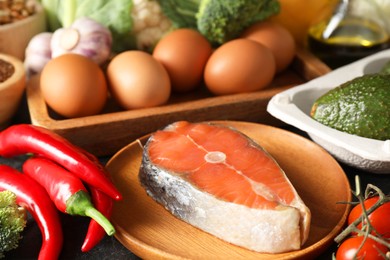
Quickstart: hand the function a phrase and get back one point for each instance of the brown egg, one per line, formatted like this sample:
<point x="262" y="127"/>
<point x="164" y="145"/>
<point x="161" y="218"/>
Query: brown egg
<point x="137" y="80"/>
<point x="73" y="86"/>
<point x="277" y="38"/>
<point x="239" y="66"/>
<point x="184" y="53"/>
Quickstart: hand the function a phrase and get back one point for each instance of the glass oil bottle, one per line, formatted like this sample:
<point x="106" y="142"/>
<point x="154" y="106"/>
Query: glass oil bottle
<point x="355" y="30"/>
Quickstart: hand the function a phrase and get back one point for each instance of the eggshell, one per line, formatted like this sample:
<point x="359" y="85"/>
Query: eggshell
<point x="184" y="53"/>
<point x="137" y="80"/>
<point x="73" y="86"/>
<point x="239" y="66"/>
<point x="277" y="38"/>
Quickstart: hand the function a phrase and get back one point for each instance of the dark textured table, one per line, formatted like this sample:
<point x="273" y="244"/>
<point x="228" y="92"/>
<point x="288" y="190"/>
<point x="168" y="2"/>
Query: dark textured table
<point x="75" y="227"/>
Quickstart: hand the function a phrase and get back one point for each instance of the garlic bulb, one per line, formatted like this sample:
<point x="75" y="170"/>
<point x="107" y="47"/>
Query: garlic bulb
<point x="85" y="37"/>
<point x="38" y="52"/>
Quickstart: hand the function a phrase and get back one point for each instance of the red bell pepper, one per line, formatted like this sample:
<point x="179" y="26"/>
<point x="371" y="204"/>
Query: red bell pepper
<point x="25" y="138"/>
<point x="35" y="199"/>
<point x="66" y="190"/>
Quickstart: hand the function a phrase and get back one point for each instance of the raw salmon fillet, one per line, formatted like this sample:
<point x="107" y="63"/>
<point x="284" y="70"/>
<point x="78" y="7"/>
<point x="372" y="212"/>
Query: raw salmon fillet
<point x="222" y="182"/>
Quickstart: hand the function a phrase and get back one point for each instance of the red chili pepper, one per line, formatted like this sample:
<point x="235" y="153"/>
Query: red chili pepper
<point x="95" y="232"/>
<point x="103" y="203"/>
<point x="65" y="189"/>
<point x="35" y="199"/>
<point x="25" y="138"/>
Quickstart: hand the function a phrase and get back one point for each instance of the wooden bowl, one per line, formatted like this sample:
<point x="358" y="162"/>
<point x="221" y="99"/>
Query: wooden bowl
<point x="12" y="88"/>
<point x="151" y="232"/>
<point x="14" y="37"/>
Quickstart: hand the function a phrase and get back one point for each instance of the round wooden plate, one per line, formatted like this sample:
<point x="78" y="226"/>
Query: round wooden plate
<point x="149" y="231"/>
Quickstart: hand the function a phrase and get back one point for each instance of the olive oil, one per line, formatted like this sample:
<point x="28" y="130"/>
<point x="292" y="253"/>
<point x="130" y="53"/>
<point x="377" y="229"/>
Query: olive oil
<point x="353" y="38"/>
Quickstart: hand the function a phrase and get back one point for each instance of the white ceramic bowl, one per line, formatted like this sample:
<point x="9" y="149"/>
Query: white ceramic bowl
<point x="293" y="107"/>
<point x="14" y="37"/>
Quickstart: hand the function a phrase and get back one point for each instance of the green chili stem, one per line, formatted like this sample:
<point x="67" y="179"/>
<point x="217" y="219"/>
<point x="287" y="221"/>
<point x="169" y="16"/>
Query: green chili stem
<point x="101" y="219"/>
<point x="80" y="204"/>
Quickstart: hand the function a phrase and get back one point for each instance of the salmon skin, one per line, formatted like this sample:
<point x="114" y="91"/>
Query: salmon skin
<point x="222" y="182"/>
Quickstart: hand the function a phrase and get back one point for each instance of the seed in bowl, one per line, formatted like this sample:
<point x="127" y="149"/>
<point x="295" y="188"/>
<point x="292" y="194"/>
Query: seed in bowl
<point x="15" y="10"/>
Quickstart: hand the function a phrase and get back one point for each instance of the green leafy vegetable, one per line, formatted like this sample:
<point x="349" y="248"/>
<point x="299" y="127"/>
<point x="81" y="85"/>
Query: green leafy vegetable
<point x="12" y="222"/>
<point x="51" y="7"/>
<point x="181" y="13"/>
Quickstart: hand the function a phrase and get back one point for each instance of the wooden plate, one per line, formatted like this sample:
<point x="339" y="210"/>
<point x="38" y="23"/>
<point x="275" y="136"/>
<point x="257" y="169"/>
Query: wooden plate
<point x="149" y="231"/>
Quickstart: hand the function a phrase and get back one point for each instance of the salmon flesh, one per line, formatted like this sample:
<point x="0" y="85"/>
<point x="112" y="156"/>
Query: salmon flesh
<point x="222" y="182"/>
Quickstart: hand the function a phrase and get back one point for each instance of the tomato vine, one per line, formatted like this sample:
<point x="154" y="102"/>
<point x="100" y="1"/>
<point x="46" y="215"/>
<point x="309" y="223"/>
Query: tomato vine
<point x="360" y="238"/>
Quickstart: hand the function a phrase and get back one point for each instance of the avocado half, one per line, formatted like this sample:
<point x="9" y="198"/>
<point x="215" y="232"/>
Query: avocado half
<point x="360" y="107"/>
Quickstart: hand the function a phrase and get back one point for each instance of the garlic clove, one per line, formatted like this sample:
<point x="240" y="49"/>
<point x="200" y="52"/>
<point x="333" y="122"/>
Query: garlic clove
<point x="69" y="38"/>
<point x="38" y="53"/>
<point x="84" y="37"/>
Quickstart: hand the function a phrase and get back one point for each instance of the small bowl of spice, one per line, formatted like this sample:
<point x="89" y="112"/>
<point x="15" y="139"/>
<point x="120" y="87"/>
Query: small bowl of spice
<point x="20" y="20"/>
<point x="12" y="85"/>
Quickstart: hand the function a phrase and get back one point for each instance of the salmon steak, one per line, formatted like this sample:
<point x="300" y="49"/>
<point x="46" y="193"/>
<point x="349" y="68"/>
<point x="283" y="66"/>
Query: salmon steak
<point x="224" y="183"/>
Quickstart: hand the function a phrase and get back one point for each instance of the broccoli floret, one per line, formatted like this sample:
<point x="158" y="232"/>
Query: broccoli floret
<point x="218" y="20"/>
<point x="223" y="20"/>
<point x="12" y="222"/>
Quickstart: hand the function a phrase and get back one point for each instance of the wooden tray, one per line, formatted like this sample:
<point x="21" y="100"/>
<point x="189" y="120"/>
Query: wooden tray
<point x="106" y="133"/>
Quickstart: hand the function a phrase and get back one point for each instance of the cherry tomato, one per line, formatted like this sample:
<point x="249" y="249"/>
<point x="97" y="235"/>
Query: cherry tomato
<point x="370" y="250"/>
<point x="379" y="218"/>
